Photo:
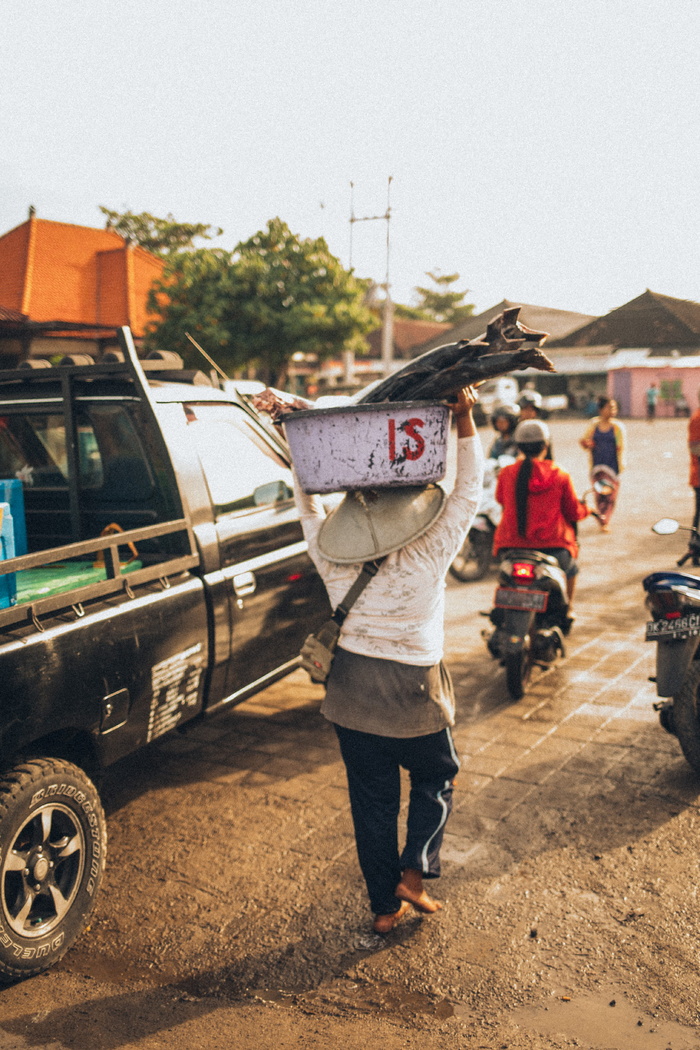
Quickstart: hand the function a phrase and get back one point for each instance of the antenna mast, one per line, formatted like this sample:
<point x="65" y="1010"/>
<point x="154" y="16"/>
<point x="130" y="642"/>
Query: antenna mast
<point x="388" y="314"/>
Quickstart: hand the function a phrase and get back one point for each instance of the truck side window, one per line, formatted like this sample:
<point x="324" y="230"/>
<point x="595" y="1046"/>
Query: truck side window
<point x="242" y="470"/>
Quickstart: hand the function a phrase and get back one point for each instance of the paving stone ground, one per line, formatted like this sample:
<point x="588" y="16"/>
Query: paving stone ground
<point x="570" y="865"/>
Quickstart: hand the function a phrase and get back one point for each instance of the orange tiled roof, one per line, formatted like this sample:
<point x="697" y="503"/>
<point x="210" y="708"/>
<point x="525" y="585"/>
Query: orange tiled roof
<point x="55" y="271"/>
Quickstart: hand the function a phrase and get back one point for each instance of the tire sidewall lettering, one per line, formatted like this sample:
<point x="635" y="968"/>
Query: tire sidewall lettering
<point x="38" y="951"/>
<point x="80" y="798"/>
<point x="91" y="825"/>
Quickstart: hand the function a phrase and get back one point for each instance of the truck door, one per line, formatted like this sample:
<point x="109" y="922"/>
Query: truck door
<point x="275" y="595"/>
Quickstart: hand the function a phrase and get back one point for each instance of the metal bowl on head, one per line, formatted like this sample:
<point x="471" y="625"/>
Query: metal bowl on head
<point x="387" y="445"/>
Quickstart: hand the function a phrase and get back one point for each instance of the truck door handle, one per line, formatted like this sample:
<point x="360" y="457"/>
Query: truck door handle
<point x="244" y="584"/>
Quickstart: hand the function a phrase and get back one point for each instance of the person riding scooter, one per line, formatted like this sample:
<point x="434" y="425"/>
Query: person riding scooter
<point x="504" y="420"/>
<point x="540" y="506"/>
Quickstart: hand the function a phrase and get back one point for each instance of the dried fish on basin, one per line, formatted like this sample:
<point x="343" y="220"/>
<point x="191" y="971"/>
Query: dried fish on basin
<point x="506" y="346"/>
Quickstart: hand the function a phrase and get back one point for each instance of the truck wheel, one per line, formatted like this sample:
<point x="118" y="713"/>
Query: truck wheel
<point x="474" y="559"/>
<point x="518" y="667"/>
<point x="685" y="715"/>
<point x="53" y="844"/>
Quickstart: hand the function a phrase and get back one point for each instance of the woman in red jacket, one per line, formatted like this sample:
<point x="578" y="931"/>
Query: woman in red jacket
<point x="540" y="507"/>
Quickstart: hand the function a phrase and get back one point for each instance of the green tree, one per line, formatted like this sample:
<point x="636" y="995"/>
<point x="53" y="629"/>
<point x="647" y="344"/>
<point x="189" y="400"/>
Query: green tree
<point x="443" y="303"/>
<point x="159" y="236"/>
<point x="190" y="298"/>
<point x="275" y="295"/>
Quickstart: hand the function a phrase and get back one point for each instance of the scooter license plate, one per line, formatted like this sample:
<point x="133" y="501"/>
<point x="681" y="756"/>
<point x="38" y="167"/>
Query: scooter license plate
<point x="509" y="598"/>
<point x="673" y="630"/>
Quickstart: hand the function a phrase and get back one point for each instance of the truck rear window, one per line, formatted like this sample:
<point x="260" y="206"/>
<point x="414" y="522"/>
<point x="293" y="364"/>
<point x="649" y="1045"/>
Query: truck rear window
<point x="33" y="446"/>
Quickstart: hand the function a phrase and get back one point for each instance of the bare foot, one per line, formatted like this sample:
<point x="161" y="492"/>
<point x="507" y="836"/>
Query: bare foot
<point x="386" y="923"/>
<point x="410" y="889"/>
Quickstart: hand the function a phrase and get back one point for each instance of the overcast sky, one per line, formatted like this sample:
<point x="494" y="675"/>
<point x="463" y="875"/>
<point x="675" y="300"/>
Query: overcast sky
<point x="546" y="150"/>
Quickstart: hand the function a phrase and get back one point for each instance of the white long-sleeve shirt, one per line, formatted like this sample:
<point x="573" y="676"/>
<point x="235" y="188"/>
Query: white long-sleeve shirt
<point x="400" y="614"/>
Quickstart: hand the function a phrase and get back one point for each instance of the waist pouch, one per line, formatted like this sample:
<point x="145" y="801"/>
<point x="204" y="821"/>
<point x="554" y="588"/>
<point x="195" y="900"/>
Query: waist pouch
<point x="317" y="652"/>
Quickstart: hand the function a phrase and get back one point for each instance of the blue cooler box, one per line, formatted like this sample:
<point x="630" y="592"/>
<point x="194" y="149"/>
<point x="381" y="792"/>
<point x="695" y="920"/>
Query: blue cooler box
<point x="8" y="586"/>
<point x="12" y="492"/>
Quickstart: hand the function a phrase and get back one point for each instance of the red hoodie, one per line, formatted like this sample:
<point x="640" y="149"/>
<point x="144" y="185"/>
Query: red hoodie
<point x="552" y="508"/>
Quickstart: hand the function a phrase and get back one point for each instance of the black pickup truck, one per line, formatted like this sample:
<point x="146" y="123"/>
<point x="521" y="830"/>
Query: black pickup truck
<point x="166" y="578"/>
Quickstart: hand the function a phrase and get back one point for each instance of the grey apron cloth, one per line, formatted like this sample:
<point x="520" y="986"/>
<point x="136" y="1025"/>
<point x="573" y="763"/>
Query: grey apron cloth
<point x="388" y="698"/>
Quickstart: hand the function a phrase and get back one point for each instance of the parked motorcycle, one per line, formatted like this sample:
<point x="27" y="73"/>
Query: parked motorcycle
<point x="476" y="555"/>
<point x="673" y="599"/>
<point x="530" y="616"/>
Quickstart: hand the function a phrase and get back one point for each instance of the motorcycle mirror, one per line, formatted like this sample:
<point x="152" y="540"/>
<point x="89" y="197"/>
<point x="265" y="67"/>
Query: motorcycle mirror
<point x="665" y="527"/>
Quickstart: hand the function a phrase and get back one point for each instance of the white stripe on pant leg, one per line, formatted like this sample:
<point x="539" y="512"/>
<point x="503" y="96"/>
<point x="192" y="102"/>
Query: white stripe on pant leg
<point x="448" y="783"/>
<point x="424" y="854"/>
<point x="452" y="748"/>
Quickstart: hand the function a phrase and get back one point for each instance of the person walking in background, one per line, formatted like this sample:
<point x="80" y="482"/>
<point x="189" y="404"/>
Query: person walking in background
<point x="694" y="450"/>
<point x="389" y="696"/>
<point x="651" y="396"/>
<point x="604" y="438"/>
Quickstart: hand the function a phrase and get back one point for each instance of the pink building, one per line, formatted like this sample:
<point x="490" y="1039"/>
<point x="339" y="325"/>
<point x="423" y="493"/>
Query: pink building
<point x="631" y="373"/>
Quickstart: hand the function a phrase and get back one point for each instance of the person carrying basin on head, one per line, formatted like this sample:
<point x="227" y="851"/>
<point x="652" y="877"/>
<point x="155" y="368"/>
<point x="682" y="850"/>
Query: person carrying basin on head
<point x="604" y="438"/>
<point x="540" y="506"/>
<point x="389" y="696"/>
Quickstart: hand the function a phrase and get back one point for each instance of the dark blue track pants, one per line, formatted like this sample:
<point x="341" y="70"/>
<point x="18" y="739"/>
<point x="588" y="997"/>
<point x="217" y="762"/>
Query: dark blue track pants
<point x="373" y="765"/>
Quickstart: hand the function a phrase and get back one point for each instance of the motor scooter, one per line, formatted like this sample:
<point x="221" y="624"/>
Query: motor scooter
<point x="673" y="599"/>
<point x="476" y="556"/>
<point x="531" y="615"/>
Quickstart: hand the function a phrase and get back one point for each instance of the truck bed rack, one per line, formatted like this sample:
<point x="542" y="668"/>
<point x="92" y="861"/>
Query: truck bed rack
<point x="116" y="581"/>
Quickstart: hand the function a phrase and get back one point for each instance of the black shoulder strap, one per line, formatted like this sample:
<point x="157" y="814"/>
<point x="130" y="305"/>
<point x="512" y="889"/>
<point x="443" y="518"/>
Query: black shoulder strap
<point x="369" y="569"/>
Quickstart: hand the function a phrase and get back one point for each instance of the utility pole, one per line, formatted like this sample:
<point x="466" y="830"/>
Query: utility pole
<point x="388" y="313"/>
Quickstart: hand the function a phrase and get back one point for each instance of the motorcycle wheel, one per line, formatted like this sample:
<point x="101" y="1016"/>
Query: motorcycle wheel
<point x="474" y="559"/>
<point x="686" y="721"/>
<point x="518" y="667"/>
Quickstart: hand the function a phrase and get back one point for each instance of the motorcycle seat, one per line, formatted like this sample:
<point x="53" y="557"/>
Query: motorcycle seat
<point x="530" y="555"/>
<point x="659" y="581"/>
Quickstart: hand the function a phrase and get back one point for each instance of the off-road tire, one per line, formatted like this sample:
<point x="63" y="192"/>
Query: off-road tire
<point x="474" y="559"/>
<point x="686" y="720"/>
<point x="53" y="845"/>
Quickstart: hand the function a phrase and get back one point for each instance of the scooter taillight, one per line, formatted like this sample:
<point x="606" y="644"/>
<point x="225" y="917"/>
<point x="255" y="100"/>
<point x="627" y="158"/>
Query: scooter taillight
<point x="665" y="605"/>
<point x="523" y="571"/>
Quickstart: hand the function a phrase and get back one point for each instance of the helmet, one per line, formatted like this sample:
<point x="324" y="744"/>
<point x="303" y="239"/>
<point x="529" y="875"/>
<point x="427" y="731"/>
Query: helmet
<point x="530" y="431"/>
<point x="506" y="411"/>
<point x="530" y="397"/>
<point x="369" y="525"/>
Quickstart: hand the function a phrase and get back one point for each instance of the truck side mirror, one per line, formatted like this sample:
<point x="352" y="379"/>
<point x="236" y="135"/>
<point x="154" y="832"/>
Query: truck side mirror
<point x="272" y="492"/>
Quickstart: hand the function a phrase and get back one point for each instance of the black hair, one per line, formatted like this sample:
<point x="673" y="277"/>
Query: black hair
<point x="530" y="450"/>
<point x="603" y="401"/>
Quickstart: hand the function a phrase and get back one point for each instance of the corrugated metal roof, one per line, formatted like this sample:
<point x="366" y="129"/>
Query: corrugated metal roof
<point x="642" y="357"/>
